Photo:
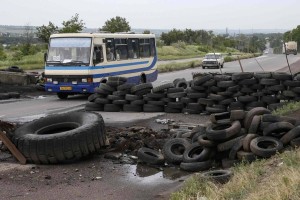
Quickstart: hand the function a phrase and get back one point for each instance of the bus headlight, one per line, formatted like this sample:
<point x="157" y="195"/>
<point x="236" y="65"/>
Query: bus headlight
<point x="74" y="82"/>
<point x="55" y="82"/>
<point x="84" y="80"/>
<point x="49" y="79"/>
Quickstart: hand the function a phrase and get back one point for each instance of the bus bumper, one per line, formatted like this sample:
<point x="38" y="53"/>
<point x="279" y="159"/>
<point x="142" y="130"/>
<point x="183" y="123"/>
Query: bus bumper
<point x="71" y="88"/>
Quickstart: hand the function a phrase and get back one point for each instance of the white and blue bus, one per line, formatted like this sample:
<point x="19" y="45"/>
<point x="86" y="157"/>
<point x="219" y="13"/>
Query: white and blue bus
<point x="78" y="62"/>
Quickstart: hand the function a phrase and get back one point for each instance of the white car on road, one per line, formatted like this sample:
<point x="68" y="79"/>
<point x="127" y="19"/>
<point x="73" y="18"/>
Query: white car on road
<point x="213" y="60"/>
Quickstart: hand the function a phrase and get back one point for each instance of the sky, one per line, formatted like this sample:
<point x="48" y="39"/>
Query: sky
<point x="157" y="14"/>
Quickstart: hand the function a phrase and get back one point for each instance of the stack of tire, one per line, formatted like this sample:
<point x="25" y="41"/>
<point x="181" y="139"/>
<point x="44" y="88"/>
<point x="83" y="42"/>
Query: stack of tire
<point x="229" y="138"/>
<point x="210" y="93"/>
<point x="9" y="95"/>
<point x="219" y="90"/>
<point x="107" y="97"/>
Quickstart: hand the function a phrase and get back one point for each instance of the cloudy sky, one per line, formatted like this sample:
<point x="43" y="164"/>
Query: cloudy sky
<point x="157" y="14"/>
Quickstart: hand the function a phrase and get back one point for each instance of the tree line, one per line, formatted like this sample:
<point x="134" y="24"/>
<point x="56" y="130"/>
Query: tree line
<point x="293" y="35"/>
<point x="206" y="40"/>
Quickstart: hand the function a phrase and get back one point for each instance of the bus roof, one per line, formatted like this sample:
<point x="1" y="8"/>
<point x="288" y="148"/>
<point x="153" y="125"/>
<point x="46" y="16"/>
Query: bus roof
<point x="103" y="35"/>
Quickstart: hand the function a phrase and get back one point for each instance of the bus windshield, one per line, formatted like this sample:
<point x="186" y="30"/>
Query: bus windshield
<point x="69" y="51"/>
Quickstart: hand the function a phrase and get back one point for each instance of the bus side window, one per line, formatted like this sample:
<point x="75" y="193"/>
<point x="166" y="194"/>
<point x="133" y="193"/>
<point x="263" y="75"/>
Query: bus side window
<point x="152" y="47"/>
<point x="110" y="50"/>
<point x="144" y="48"/>
<point x="133" y="48"/>
<point x="97" y="55"/>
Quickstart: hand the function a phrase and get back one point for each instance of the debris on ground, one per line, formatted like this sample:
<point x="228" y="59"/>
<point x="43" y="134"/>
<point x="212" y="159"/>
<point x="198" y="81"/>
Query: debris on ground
<point x="164" y="121"/>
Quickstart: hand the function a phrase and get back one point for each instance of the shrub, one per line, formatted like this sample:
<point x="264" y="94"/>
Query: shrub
<point x="203" y="49"/>
<point x="17" y="55"/>
<point x="228" y="59"/>
<point x="179" y="44"/>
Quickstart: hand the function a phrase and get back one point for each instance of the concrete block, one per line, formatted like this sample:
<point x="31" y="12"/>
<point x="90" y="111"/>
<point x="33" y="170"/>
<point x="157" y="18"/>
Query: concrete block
<point x="14" y="78"/>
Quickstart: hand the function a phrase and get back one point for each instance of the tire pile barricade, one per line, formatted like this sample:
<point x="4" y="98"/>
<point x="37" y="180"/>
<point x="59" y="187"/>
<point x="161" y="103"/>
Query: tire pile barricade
<point x="229" y="138"/>
<point x="206" y="93"/>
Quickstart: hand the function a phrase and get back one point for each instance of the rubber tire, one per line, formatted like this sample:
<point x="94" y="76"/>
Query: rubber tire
<point x="237" y="115"/>
<point x="219" y="176"/>
<point x="153" y="108"/>
<point x="92" y="106"/>
<point x="247" y="140"/>
<point x="150" y="156"/>
<point x="162" y="87"/>
<point x="265" y="152"/>
<point x="169" y="152"/>
<point x="60" y="138"/>
<point x="246" y="156"/>
<point x="241" y="76"/>
<point x="292" y="134"/>
<point x="132" y="108"/>
<point x="62" y="95"/>
<point x="205" y="142"/>
<point x="141" y="86"/>
<point x="235" y="148"/>
<point x="228" y="144"/>
<point x="255" y="111"/>
<point x="196" y="153"/>
<point x="255" y="124"/>
<point x="278" y="127"/>
<point x="196" y="166"/>
<point x="219" y="132"/>
<point x="112" y="108"/>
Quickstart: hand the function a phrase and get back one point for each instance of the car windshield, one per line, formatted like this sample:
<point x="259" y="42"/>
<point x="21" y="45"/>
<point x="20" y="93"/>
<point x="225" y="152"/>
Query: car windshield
<point x="212" y="56"/>
<point x="69" y="51"/>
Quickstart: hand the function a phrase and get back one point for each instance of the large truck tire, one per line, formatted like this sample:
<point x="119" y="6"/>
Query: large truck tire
<point x="61" y="138"/>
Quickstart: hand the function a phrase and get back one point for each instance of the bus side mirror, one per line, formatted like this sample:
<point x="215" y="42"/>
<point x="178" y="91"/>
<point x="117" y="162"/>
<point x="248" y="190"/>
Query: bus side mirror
<point x="45" y="56"/>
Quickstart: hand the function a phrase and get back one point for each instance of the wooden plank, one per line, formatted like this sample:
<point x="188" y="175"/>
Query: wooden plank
<point x="12" y="148"/>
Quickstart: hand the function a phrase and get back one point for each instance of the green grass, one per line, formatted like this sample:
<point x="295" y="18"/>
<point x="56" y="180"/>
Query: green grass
<point x="287" y="108"/>
<point x="272" y="179"/>
<point x="27" y="62"/>
<point x="179" y="52"/>
<point x="178" y="66"/>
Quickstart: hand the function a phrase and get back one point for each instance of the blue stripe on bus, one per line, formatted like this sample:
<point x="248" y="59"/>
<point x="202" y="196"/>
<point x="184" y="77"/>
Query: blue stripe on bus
<point x="95" y="67"/>
<point x="126" y="71"/>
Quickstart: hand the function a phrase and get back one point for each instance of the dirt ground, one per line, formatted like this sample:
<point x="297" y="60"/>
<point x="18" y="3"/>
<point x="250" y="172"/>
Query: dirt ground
<point x="96" y="177"/>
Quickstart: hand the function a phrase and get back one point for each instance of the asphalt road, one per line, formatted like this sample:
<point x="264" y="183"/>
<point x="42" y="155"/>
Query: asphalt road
<point x="35" y="107"/>
<point x="267" y="62"/>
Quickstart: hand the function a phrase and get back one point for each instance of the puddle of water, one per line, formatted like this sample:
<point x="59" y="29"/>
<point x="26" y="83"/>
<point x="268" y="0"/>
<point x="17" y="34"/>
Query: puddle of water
<point x="155" y="174"/>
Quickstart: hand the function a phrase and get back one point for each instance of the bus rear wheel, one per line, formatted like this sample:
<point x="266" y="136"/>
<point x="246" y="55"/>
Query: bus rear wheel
<point x="143" y="79"/>
<point x="62" y="95"/>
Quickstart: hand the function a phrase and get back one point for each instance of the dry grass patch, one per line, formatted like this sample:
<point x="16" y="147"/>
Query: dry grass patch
<point x="274" y="179"/>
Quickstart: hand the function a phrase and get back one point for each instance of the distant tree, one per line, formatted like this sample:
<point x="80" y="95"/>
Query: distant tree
<point x="293" y="35"/>
<point x="172" y="37"/>
<point x="44" y="32"/>
<point x="2" y="53"/>
<point x="117" y="24"/>
<point x="74" y="25"/>
<point x="146" y="32"/>
<point x="28" y="37"/>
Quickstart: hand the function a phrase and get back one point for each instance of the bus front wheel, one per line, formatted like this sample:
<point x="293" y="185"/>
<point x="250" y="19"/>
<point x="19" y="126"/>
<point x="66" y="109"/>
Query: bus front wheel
<point x="62" y="95"/>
